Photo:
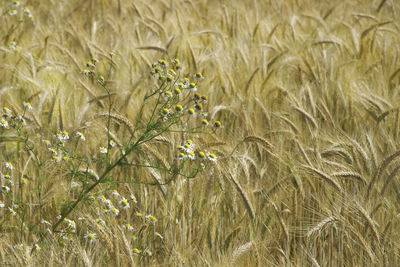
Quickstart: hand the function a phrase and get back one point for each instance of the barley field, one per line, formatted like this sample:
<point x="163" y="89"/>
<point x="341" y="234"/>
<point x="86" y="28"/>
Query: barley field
<point x="200" y="133"/>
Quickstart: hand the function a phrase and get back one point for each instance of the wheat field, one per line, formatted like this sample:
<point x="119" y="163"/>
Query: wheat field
<point x="199" y="133"/>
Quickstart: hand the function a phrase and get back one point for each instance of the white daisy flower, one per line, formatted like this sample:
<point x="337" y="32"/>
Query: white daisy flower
<point x="103" y="150"/>
<point x="158" y="235"/>
<point x="133" y="198"/>
<point x="114" y="193"/>
<point x="191" y="155"/>
<point x="5" y="189"/>
<point x="9" y="165"/>
<point x="4" y="123"/>
<point x="13" y="212"/>
<point x="127" y="226"/>
<point x="47" y="142"/>
<point x="12" y="12"/>
<point x="91" y="237"/>
<point x="100" y="222"/>
<point x="111" y="143"/>
<point x="7" y="178"/>
<point x="81" y="136"/>
<point x="28" y="105"/>
<point x="212" y="157"/>
<point x="114" y="212"/>
<point x="123" y="203"/>
<point x="181" y="156"/>
<point x="71" y="223"/>
<point x="192" y="87"/>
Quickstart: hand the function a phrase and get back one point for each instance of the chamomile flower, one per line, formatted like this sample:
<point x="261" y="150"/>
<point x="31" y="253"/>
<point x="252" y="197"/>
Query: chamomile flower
<point x="204" y="114"/>
<point x="86" y="72"/>
<point x="3" y="123"/>
<point x="13" y="212"/>
<point x="204" y="98"/>
<point x="5" y="189"/>
<point x="158" y="235"/>
<point x="212" y="157"/>
<point x="201" y="155"/>
<point x="12" y="12"/>
<point x="65" y="135"/>
<point x="108" y="203"/>
<point x="94" y="60"/>
<point x="204" y="122"/>
<point x="151" y="218"/>
<point x="198" y="106"/>
<point x="81" y="136"/>
<point x="100" y="222"/>
<point x="139" y="214"/>
<point x="170" y="78"/>
<point x="37" y="247"/>
<point x="54" y="158"/>
<point x="7" y="178"/>
<point x="177" y="91"/>
<point x="188" y="148"/>
<point x="178" y="108"/>
<point x="114" y="212"/>
<point x="176" y="61"/>
<point x="162" y="63"/>
<point x="133" y="198"/>
<point x="190" y="142"/>
<point x="196" y="97"/>
<point x="198" y="76"/>
<point x="127" y="226"/>
<point x="191" y="155"/>
<point x="148" y="252"/>
<point x="111" y="143"/>
<point x="90" y="237"/>
<point x="20" y="119"/>
<point x="15" y="3"/>
<point x="217" y="124"/>
<point x="181" y="156"/>
<point x="6" y="111"/>
<point x="191" y="112"/>
<point x="171" y="72"/>
<point x="192" y="87"/>
<point x="24" y="181"/>
<point x="103" y="150"/>
<point x="53" y="150"/>
<point x="28" y="105"/>
<point x="71" y="223"/>
<point x="46" y="142"/>
<point x="165" y="111"/>
<point x="123" y="203"/>
<point x="45" y="222"/>
<point x="2" y="205"/>
<point x="136" y="251"/>
<point x="9" y="165"/>
<point x="182" y="85"/>
<point x="167" y="94"/>
<point x="115" y="193"/>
